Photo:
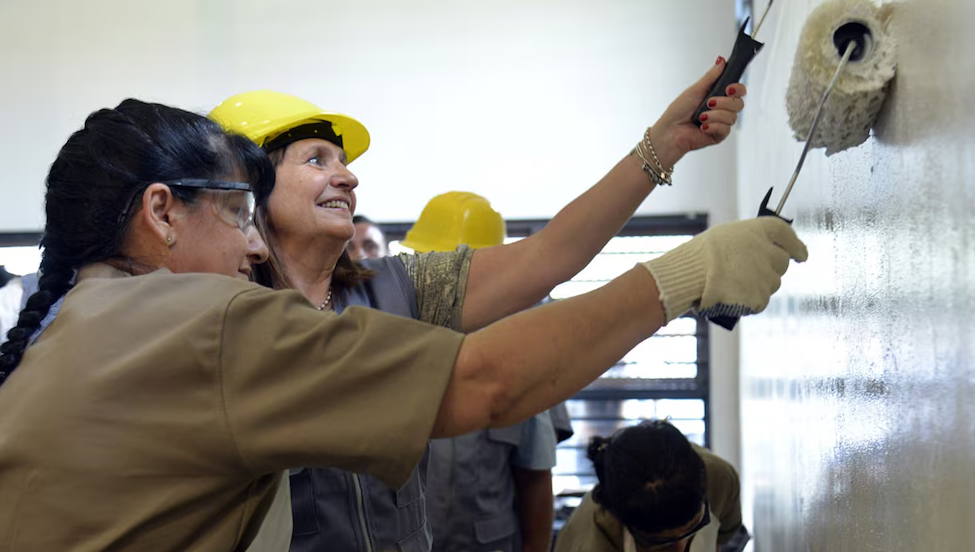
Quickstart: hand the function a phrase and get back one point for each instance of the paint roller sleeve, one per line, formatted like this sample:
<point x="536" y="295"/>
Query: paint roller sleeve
<point x="860" y="90"/>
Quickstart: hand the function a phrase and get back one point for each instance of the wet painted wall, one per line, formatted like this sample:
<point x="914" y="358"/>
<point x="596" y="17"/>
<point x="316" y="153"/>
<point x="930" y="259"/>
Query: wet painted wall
<point x="858" y="383"/>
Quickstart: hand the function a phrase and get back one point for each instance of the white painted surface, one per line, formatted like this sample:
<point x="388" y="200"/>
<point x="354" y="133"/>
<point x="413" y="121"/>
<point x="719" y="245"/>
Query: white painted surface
<point x="857" y="383"/>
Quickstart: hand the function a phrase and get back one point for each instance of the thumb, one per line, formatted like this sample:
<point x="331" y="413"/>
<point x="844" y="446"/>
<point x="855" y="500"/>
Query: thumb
<point x="785" y="237"/>
<point x="704" y="84"/>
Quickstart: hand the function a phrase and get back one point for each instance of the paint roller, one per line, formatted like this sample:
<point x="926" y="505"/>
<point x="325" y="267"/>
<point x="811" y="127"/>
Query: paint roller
<point x="845" y="58"/>
<point x="742" y="53"/>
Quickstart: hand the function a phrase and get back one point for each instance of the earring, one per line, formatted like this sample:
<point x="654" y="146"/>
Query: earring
<point x="169" y="240"/>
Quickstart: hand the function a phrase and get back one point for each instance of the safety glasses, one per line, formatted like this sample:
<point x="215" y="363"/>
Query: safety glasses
<point x="234" y="201"/>
<point x="649" y="541"/>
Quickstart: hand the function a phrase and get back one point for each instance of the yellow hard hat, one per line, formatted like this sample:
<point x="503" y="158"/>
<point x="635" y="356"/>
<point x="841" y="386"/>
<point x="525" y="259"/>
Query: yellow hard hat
<point x="264" y="115"/>
<point x="455" y="218"/>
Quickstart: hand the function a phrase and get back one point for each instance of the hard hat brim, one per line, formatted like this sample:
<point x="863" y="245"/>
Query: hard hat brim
<point x="355" y="137"/>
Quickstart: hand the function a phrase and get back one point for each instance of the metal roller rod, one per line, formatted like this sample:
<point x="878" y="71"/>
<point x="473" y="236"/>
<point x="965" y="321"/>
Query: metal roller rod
<point x="762" y="20"/>
<point x="819" y="115"/>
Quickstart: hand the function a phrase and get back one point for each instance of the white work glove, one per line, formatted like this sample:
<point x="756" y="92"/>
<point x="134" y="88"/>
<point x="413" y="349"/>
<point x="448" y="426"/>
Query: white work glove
<point x="730" y="270"/>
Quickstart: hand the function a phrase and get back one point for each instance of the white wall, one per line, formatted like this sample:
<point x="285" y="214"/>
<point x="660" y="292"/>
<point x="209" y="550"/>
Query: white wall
<point x="525" y="102"/>
<point x="857" y="382"/>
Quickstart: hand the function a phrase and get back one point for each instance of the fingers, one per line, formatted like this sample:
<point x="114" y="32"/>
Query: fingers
<point x="733" y="104"/>
<point x="785" y="237"/>
<point x="778" y="259"/>
<point x="723" y="117"/>
<point x="723" y="113"/>
<point x="704" y="84"/>
<point x="736" y="90"/>
<point x="719" y="131"/>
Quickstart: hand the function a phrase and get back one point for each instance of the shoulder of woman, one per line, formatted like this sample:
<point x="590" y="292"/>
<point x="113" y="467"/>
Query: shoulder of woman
<point x="205" y="291"/>
<point x="724" y="487"/>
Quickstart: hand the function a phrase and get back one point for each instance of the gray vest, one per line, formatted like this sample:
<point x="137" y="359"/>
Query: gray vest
<point x="471" y="491"/>
<point x="340" y="511"/>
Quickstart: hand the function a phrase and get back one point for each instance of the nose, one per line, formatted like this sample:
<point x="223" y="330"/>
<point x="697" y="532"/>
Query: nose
<point x="344" y="179"/>
<point x="257" y="252"/>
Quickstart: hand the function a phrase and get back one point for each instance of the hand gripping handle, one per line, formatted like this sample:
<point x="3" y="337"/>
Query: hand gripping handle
<point x="742" y="54"/>
<point x="729" y="322"/>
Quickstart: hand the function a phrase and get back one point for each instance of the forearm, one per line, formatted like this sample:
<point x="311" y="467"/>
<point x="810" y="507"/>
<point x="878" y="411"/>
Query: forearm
<point x="507" y="279"/>
<point x="580" y="230"/>
<point x="536" y="510"/>
<point x="531" y="361"/>
<point x="556" y="253"/>
<point x="583" y="227"/>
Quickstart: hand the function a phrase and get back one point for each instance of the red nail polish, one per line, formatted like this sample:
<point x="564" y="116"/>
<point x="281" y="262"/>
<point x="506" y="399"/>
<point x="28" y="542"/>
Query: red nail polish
<point x="719" y="60"/>
<point x="712" y="103"/>
<point x="731" y="90"/>
<point x="704" y="116"/>
<point x="704" y="127"/>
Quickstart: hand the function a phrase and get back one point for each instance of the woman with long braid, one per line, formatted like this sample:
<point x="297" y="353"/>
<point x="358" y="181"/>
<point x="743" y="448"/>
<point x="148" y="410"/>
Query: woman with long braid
<point x="161" y="406"/>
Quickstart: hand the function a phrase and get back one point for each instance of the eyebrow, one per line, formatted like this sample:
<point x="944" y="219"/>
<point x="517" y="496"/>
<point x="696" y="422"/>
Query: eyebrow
<point x="318" y="149"/>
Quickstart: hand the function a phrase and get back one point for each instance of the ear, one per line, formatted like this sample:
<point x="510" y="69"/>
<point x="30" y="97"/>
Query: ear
<point x="159" y="209"/>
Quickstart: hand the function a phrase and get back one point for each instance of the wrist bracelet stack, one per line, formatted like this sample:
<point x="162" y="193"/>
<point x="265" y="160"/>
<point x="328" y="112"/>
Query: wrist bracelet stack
<point x="658" y="175"/>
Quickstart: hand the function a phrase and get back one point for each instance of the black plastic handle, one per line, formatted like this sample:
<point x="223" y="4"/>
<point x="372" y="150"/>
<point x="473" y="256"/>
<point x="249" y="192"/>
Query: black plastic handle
<point x="742" y="54"/>
<point x="729" y="322"/>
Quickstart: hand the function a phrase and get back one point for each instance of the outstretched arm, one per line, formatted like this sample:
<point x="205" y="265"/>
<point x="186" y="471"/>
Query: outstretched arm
<point x="528" y="362"/>
<point x="510" y="278"/>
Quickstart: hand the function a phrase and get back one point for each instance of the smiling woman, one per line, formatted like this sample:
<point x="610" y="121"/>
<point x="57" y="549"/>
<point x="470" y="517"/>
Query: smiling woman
<point x="308" y="223"/>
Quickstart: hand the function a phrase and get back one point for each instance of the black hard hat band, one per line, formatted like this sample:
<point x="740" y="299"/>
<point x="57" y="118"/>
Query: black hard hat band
<point x="318" y="129"/>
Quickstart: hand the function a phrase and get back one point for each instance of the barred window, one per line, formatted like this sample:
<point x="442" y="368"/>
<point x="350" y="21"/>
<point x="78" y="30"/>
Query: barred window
<point x="666" y="376"/>
<point x="19" y="253"/>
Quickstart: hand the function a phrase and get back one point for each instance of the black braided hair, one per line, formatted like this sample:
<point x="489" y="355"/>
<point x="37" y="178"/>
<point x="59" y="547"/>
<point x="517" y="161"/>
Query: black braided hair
<point x="650" y="477"/>
<point x="94" y="185"/>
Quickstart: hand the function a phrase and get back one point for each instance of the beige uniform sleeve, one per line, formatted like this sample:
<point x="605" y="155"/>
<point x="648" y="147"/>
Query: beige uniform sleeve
<point x="440" y="279"/>
<point x="358" y="391"/>
<point x="723" y="492"/>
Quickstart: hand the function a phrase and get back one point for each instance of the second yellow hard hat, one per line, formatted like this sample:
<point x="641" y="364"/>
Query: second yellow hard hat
<point x="456" y="218"/>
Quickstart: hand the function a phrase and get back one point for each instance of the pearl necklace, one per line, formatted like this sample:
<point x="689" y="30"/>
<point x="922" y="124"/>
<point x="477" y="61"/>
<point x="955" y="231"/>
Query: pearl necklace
<point x="328" y="299"/>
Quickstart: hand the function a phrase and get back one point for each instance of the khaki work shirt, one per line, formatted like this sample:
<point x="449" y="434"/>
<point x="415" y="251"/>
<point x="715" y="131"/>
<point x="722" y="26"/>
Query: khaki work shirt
<point x="157" y="412"/>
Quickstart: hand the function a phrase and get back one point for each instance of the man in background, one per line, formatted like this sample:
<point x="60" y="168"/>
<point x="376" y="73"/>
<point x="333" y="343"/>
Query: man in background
<point x="368" y="242"/>
<point x="491" y="489"/>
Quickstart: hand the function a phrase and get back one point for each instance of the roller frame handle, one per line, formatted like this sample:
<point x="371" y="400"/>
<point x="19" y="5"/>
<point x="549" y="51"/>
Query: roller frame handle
<point x="742" y="54"/>
<point x="729" y="322"/>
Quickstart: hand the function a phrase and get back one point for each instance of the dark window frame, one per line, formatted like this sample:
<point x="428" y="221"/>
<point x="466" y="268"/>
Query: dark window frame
<point x="19" y="239"/>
